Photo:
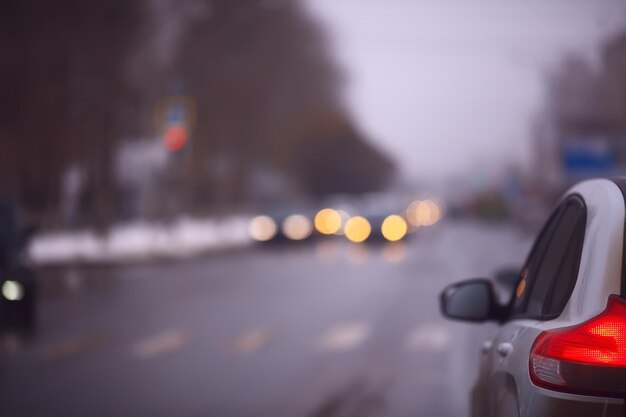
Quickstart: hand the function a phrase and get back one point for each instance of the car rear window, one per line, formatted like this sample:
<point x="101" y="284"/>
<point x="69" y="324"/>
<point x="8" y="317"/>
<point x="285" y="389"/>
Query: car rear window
<point x="552" y="267"/>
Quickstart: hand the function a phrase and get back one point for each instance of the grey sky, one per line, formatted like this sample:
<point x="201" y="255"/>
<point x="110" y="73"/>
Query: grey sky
<point x="448" y="86"/>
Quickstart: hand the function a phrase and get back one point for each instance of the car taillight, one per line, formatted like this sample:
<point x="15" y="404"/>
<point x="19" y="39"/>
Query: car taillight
<point x="589" y="358"/>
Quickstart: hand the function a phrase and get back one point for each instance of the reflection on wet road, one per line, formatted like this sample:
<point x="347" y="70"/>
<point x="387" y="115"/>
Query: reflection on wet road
<point x="322" y="329"/>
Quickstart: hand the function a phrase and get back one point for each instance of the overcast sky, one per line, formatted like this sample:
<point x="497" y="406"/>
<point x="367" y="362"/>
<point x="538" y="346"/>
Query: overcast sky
<point x="446" y="87"/>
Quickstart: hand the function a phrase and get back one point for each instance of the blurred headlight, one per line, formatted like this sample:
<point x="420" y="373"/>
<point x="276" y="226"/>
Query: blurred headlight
<point x="262" y="228"/>
<point x="297" y="227"/>
<point x="357" y="229"/>
<point x="423" y="213"/>
<point x="394" y="228"/>
<point x="12" y="290"/>
<point x="327" y="221"/>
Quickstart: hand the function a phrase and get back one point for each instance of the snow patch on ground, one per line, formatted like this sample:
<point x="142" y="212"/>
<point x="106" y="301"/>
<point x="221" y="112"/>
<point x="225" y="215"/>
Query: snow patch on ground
<point x="141" y="240"/>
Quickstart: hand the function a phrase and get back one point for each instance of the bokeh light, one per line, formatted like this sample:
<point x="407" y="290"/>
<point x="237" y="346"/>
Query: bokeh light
<point x="12" y="290"/>
<point x="297" y="227"/>
<point x="262" y="228"/>
<point x="410" y="213"/>
<point x="175" y="138"/>
<point x="327" y="221"/>
<point x="394" y="228"/>
<point x="357" y="229"/>
<point x="423" y="213"/>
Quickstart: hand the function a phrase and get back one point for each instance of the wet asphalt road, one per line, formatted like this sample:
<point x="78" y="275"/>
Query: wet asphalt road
<point x="323" y="329"/>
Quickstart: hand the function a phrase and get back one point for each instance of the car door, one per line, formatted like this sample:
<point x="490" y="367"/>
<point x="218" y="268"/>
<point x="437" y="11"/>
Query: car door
<point x="545" y="285"/>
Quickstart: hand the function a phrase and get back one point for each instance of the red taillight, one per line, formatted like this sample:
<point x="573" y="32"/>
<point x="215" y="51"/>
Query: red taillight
<point x="589" y="358"/>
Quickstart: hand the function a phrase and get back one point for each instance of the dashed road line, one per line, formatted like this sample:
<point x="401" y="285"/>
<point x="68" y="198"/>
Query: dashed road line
<point x="73" y="346"/>
<point x="254" y="340"/>
<point x="162" y="343"/>
<point x="428" y="337"/>
<point x="344" y="337"/>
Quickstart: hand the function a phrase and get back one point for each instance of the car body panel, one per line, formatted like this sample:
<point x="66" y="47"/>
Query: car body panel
<point x="601" y="263"/>
<point x="504" y="383"/>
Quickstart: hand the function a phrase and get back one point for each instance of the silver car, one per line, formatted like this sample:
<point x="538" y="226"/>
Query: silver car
<point x="561" y="346"/>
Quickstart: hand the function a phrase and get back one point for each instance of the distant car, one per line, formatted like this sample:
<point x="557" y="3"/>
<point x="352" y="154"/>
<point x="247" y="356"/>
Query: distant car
<point x="560" y="349"/>
<point x="282" y="225"/>
<point x="387" y="227"/>
<point x="17" y="280"/>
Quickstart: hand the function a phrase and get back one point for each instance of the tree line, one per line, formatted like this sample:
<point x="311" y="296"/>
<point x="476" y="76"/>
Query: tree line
<point x="82" y="79"/>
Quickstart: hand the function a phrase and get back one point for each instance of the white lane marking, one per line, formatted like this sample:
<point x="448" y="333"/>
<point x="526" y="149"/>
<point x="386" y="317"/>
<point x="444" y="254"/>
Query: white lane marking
<point x="253" y="340"/>
<point x="428" y="337"/>
<point x="344" y="337"/>
<point x="73" y="346"/>
<point x="161" y="343"/>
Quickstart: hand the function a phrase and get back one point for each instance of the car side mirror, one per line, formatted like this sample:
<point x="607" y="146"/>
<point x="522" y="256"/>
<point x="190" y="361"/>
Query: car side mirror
<point x="472" y="300"/>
